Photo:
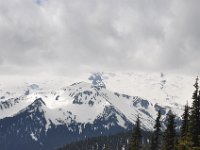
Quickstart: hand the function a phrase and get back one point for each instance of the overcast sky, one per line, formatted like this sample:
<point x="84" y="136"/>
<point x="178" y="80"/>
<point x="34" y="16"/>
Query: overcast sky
<point x="61" y="37"/>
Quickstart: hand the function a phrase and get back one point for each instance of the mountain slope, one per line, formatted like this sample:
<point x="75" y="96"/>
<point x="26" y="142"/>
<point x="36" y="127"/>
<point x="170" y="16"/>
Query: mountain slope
<point x="43" y="118"/>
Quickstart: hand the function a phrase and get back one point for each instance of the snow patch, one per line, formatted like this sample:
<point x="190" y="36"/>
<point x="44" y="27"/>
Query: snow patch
<point x="33" y="137"/>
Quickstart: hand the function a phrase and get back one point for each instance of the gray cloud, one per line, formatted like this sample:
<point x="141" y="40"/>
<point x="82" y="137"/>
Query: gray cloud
<point x="67" y="36"/>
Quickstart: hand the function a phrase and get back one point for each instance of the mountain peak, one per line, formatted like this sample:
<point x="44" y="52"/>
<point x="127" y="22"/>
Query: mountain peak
<point x="37" y="104"/>
<point x="97" y="80"/>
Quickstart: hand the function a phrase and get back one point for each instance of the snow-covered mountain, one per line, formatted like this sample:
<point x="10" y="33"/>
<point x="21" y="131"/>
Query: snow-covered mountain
<point x="47" y="115"/>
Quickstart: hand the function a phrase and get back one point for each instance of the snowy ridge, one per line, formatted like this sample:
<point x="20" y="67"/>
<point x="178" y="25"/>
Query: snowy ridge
<point x="94" y="107"/>
<point x="80" y="99"/>
<point x="158" y="87"/>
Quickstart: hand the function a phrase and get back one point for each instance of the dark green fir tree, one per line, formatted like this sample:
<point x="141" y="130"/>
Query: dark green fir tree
<point x="169" y="138"/>
<point x="195" y="116"/>
<point x="185" y="121"/>
<point x="135" y="143"/>
<point x="155" y="143"/>
<point x="185" y="137"/>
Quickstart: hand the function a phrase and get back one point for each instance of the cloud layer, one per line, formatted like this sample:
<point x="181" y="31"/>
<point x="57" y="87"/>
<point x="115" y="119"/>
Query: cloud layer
<point x="70" y="37"/>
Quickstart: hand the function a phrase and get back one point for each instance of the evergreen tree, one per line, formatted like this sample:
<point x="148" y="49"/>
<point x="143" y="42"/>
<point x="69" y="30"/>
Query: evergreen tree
<point x="155" y="144"/>
<point x="185" y="121"/>
<point x="135" y="143"/>
<point x="195" y="116"/>
<point x="185" y="140"/>
<point x="170" y="133"/>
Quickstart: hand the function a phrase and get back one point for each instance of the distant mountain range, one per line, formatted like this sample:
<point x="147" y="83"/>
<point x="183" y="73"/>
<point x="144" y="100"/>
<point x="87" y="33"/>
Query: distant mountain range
<point x="34" y="116"/>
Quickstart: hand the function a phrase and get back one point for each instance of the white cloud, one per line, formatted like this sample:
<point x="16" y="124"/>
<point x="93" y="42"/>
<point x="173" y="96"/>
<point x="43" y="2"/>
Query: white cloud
<point x="67" y="36"/>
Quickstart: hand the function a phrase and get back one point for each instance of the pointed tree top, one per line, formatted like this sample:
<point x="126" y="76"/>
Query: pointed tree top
<point x="138" y="119"/>
<point x="197" y="79"/>
<point x="196" y="85"/>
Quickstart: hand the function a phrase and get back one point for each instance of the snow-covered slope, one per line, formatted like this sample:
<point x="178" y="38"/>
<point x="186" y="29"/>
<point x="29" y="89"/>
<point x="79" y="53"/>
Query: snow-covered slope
<point x="102" y="103"/>
<point x="160" y="87"/>
<point x="153" y="86"/>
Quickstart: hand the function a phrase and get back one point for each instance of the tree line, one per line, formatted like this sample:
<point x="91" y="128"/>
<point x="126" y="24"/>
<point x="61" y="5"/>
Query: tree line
<point x="187" y="139"/>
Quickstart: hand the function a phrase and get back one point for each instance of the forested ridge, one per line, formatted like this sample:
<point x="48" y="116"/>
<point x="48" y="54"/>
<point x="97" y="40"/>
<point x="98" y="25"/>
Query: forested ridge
<point x="113" y="142"/>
